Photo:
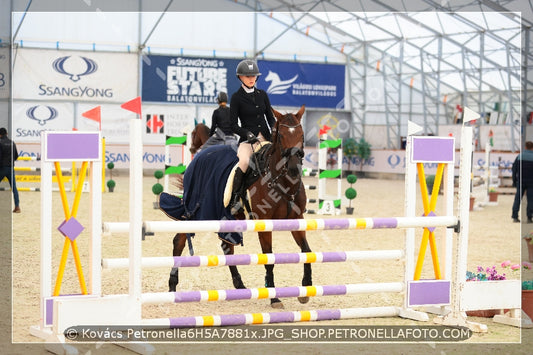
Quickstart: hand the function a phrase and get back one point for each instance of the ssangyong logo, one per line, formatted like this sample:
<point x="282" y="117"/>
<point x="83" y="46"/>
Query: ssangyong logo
<point x="61" y="66"/>
<point x="41" y="114"/>
<point x="75" y="68"/>
<point x="278" y="86"/>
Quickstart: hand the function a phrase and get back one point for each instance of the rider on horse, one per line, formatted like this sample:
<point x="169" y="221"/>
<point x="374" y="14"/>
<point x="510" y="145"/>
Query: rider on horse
<point x="221" y="131"/>
<point x="252" y="108"/>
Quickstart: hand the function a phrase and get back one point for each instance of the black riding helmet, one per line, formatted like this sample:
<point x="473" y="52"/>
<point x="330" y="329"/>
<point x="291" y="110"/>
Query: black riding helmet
<point x="222" y="97"/>
<point x="248" y="67"/>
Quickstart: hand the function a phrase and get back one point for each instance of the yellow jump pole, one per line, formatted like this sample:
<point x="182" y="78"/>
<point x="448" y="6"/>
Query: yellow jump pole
<point x="72" y="188"/>
<point x="429" y="206"/>
<point x="75" y="206"/>
<point x="432" y="206"/>
<point x="103" y="165"/>
<point x="66" y="244"/>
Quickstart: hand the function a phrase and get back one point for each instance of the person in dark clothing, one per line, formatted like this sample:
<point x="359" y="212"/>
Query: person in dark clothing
<point x="8" y="154"/>
<point x="221" y="131"/>
<point x="251" y="107"/>
<point x="221" y="116"/>
<point x="523" y="180"/>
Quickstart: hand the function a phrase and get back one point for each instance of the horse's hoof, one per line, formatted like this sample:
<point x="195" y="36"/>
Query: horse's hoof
<point x="238" y="284"/>
<point x="277" y="305"/>
<point x="303" y="299"/>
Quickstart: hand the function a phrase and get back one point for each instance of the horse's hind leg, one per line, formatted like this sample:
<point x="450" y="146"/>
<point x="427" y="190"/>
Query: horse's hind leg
<point x="299" y="237"/>
<point x="179" y="243"/>
<point x="265" y="239"/>
<point x="228" y="249"/>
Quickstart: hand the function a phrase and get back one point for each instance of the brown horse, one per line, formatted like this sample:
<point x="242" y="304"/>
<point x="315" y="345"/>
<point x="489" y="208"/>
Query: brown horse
<point x="279" y="193"/>
<point x="199" y="135"/>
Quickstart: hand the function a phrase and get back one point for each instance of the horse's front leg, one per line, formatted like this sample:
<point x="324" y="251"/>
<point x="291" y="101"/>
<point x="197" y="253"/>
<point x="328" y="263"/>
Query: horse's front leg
<point x="229" y="249"/>
<point x="179" y="243"/>
<point x="301" y="240"/>
<point x="265" y="239"/>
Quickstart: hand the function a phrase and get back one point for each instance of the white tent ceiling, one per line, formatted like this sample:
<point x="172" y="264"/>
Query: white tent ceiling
<point x="454" y="48"/>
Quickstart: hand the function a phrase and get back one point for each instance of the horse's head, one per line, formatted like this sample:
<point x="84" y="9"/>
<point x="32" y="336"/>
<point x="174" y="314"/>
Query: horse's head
<point x="289" y="135"/>
<point x="199" y="135"/>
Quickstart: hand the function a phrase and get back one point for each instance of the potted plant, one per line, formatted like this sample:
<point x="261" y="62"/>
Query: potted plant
<point x="363" y="152"/>
<point x="491" y="274"/>
<point x="430" y="180"/>
<point x="529" y="242"/>
<point x="157" y="188"/>
<point x="493" y="195"/>
<point x="111" y="185"/>
<point x="350" y="192"/>
<point x="527" y="297"/>
<point x="349" y="148"/>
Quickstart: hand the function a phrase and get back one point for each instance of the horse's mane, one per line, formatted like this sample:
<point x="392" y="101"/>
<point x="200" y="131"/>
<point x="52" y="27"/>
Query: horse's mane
<point x="203" y="127"/>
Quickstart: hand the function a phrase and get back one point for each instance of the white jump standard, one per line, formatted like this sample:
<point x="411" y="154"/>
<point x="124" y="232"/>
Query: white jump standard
<point x="445" y="292"/>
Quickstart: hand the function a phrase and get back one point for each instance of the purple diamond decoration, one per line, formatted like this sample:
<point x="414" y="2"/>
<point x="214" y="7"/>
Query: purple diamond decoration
<point x="431" y="214"/>
<point x="71" y="228"/>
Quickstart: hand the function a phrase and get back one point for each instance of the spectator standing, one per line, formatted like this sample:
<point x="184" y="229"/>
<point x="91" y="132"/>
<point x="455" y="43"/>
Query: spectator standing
<point x="8" y="155"/>
<point x="523" y="180"/>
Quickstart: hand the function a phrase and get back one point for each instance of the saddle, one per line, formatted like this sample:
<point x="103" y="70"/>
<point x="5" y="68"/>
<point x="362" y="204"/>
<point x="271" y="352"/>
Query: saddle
<point x="257" y="164"/>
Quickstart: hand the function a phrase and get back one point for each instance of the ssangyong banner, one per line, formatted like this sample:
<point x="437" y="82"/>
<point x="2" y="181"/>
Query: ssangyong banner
<point x="4" y="73"/>
<point x="74" y="76"/>
<point x="186" y="80"/>
<point x="31" y="118"/>
<point x="295" y="84"/>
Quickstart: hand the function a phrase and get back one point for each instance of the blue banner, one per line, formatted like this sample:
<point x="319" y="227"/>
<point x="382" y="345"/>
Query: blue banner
<point x="295" y="84"/>
<point x="186" y="80"/>
<point x="190" y="80"/>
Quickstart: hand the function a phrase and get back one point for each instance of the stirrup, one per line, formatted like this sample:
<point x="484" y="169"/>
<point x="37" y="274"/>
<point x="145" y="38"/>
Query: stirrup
<point x="236" y="205"/>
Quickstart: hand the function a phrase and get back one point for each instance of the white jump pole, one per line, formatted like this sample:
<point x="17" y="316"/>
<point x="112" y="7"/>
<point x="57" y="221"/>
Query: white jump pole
<point x="269" y="225"/>
<point x="136" y="211"/>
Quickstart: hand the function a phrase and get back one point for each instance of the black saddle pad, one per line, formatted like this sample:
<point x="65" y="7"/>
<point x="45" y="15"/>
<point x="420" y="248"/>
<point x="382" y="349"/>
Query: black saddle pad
<point x="203" y="189"/>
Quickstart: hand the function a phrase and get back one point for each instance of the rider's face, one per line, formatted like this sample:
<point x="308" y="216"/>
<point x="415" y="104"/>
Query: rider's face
<point x="248" y="80"/>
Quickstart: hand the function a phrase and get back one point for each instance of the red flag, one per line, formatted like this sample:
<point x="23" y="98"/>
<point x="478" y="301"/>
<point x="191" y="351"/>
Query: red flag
<point x="324" y="130"/>
<point x="133" y="105"/>
<point x="94" y="114"/>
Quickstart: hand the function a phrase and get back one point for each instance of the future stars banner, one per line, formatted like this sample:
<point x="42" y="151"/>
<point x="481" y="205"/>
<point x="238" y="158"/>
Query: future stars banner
<point x="188" y="80"/>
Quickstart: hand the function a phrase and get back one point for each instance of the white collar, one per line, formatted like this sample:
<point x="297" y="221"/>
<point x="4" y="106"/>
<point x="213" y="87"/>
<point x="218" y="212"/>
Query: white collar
<point x="249" y="91"/>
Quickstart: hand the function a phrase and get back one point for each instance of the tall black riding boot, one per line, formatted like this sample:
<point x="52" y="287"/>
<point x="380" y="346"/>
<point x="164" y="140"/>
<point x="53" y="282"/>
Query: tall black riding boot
<point x="237" y="192"/>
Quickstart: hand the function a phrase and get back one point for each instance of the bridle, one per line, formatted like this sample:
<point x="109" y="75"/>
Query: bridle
<point x="286" y="154"/>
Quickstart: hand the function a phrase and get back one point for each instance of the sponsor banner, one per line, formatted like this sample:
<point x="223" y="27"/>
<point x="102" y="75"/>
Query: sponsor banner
<point x="4" y="114"/>
<point x="158" y="121"/>
<point x="294" y="84"/>
<point x="165" y="120"/>
<point x="380" y="161"/>
<point x="189" y="80"/>
<point x="74" y="76"/>
<point x="337" y="121"/>
<point x="186" y="80"/>
<point x="4" y="73"/>
<point x="32" y="118"/>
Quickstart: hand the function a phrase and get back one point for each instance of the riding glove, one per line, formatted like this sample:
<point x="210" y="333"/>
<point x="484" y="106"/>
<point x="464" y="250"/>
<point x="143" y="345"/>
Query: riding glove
<point x="251" y="138"/>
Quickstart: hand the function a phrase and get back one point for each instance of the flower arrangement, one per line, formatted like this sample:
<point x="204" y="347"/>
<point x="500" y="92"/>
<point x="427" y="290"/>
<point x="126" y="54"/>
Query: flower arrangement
<point x="491" y="274"/>
<point x="529" y="237"/>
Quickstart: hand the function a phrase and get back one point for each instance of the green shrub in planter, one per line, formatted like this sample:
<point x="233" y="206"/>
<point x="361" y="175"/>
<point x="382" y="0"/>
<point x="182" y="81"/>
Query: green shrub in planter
<point x="350" y="192"/>
<point x="157" y="189"/>
<point x="111" y="185"/>
<point x="158" y="174"/>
